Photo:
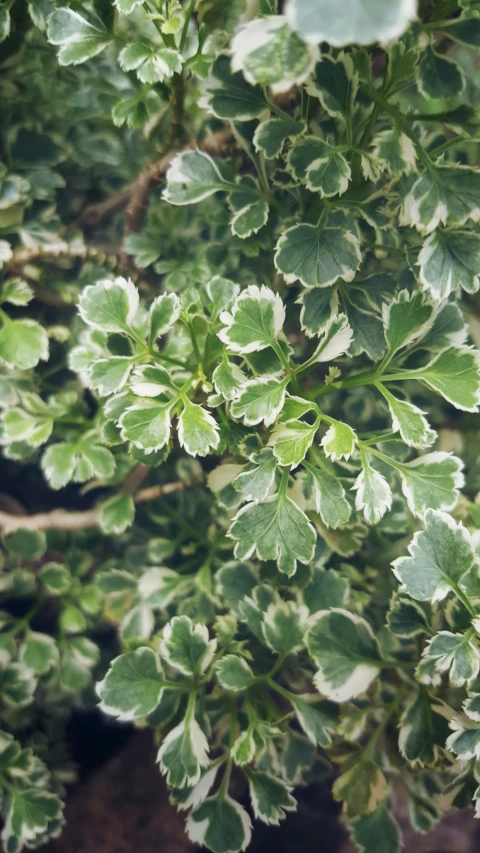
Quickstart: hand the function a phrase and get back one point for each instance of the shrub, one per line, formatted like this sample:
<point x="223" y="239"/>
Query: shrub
<point x="264" y="403"/>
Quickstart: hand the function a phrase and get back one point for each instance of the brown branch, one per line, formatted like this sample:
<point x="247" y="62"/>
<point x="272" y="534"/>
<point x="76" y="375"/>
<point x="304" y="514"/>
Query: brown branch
<point x="215" y="144"/>
<point x="61" y="519"/>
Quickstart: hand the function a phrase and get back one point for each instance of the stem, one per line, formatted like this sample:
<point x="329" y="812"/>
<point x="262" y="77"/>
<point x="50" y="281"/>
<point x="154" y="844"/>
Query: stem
<point x="390" y="711"/>
<point x="457" y="140"/>
<point x="196" y="348"/>
<point x="282" y="489"/>
<point x="289" y="370"/>
<point x="183" y="37"/>
<point x="233" y="734"/>
<point x="400" y="119"/>
<point x="24" y="622"/>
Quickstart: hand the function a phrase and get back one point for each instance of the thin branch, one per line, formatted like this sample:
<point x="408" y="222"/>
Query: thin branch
<point x="215" y="144"/>
<point x="61" y="519"/>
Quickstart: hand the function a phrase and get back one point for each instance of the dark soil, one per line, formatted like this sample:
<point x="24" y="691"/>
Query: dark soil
<point x="120" y="805"/>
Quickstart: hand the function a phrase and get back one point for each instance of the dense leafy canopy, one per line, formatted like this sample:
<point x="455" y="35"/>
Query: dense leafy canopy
<point x="240" y="267"/>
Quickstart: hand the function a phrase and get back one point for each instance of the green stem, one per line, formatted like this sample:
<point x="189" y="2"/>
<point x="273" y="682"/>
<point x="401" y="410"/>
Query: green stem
<point x="450" y="143"/>
<point x="5" y="319"/>
<point x="279" y="112"/>
<point x="189" y="13"/>
<point x="282" y="489"/>
<point x="196" y="348"/>
<point x="402" y="122"/>
<point x="222" y="791"/>
<point x="390" y="711"/>
<point x="24" y="622"/>
<point x="289" y="370"/>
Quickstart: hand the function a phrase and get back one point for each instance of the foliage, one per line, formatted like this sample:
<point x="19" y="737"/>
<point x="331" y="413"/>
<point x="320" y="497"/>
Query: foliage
<point x="268" y="221"/>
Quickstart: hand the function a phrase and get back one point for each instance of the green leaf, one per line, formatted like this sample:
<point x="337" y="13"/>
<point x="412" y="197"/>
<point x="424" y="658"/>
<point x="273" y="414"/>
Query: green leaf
<point x="450" y="260"/>
<point x="191" y="177"/>
<point x="326" y="589"/>
<point x="431" y="481"/>
<point x="229" y="96"/>
<point x="395" y="151"/>
<point x="250" y="218"/>
<point x="284" y="626"/>
<point x="255" y="320"/>
<point x="151" y="381"/>
<point x="405" y="318"/>
<point x="228" y="379"/>
<point x="438" y="76"/>
<point x="39" y="652"/>
<point x="275" y="529"/>
<point x="110" y="375"/>
<point x="439" y="557"/>
<point x="235" y="581"/>
<point x="160" y="66"/>
<point x="406" y="618"/>
<point x="183" y="753"/>
<point x="291" y="441"/>
<point x="317" y="258"/>
<point x="126" y="7"/>
<point x="465" y="743"/>
<point x="4" y="23"/>
<point x="27" y="544"/>
<point x="422" y="731"/>
<point x="110" y="306"/>
<point x="58" y="463"/>
<point x="345" y="650"/>
<point x="79" y="40"/>
<point x="319" y="307"/>
<point x="317" y="718"/>
<point x="244" y="748"/>
<point x="221" y="824"/>
<point x="17" y="685"/>
<point x="198" y="431"/>
<point x="158" y="586"/>
<point x="361" y="787"/>
<point x="297" y="759"/>
<point x="23" y="343"/>
<point x="373" y="494"/>
<point x="133" y="55"/>
<point x="455" y="375"/>
<point x="256" y="481"/>
<point x="55" y="577"/>
<point x="408" y="420"/>
<point x="270" y="135"/>
<point x="186" y="646"/>
<point x="328" y="496"/>
<point x="117" y="514"/>
<point x="270" y="54"/>
<point x="16" y="291"/>
<point x="147" y="425"/>
<point x="447" y="195"/>
<point x="339" y="441"/>
<point x="334" y="83"/>
<point x="377" y="832"/>
<point x="234" y="673"/>
<point x="360" y="22"/>
<point x="260" y="400"/>
<point x="164" y="313"/>
<point x="329" y="175"/>
<point x="452" y="653"/>
<point x="303" y="153"/>
<point x="133" y="685"/>
<point x="29" y="814"/>
<point x="270" y="797"/>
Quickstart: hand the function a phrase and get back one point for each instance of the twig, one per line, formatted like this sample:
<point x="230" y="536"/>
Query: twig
<point x="215" y="144"/>
<point x="61" y="519"/>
